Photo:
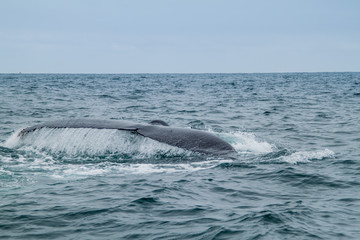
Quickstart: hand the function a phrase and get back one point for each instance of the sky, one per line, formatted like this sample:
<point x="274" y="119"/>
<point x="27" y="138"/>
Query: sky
<point x="179" y="36"/>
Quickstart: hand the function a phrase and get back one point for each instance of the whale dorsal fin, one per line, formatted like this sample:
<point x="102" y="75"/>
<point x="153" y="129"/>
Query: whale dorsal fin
<point x="159" y="122"/>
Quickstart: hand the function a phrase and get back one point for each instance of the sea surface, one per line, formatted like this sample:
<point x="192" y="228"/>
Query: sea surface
<point x="296" y="173"/>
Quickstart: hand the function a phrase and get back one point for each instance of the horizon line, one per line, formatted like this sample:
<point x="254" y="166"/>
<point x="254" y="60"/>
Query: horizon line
<point x="129" y="73"/>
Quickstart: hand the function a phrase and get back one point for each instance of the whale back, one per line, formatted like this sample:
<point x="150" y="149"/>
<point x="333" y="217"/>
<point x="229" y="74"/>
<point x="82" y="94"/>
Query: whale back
<point x="189" y="139"/>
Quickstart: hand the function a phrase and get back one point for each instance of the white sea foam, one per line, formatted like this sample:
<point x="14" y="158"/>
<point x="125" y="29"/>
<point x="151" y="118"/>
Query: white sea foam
<point x="245" y="142"/>
<point x="75" y="171"/>
<point x="307" y="156"/>
<point x="13" y="140"/>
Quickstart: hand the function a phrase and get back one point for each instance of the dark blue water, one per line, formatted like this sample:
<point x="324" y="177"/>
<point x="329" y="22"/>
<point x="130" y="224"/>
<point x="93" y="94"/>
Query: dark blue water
<point x="296" y="174"/>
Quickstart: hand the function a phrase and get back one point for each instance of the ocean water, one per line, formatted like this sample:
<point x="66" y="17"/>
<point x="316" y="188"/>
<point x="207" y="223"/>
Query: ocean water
<point x="296" y="174"/>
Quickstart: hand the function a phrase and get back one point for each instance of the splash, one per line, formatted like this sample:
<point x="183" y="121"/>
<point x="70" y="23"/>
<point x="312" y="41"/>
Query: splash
<point x="83" y="152"/>
<point x="245" y="142"/>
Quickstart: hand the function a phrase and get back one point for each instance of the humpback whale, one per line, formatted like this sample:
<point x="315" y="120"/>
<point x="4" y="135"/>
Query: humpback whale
<point x="158" y="130"/>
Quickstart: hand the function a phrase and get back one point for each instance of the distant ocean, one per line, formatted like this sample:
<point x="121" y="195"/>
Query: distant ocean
<point x="296" y="174"/>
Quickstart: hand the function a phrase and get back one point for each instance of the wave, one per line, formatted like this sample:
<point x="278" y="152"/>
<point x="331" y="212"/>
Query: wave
<point x="307" y="156"/>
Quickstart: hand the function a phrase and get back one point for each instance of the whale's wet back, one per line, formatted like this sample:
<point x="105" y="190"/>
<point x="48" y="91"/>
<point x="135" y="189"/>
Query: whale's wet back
<point x="189" y="139"/>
